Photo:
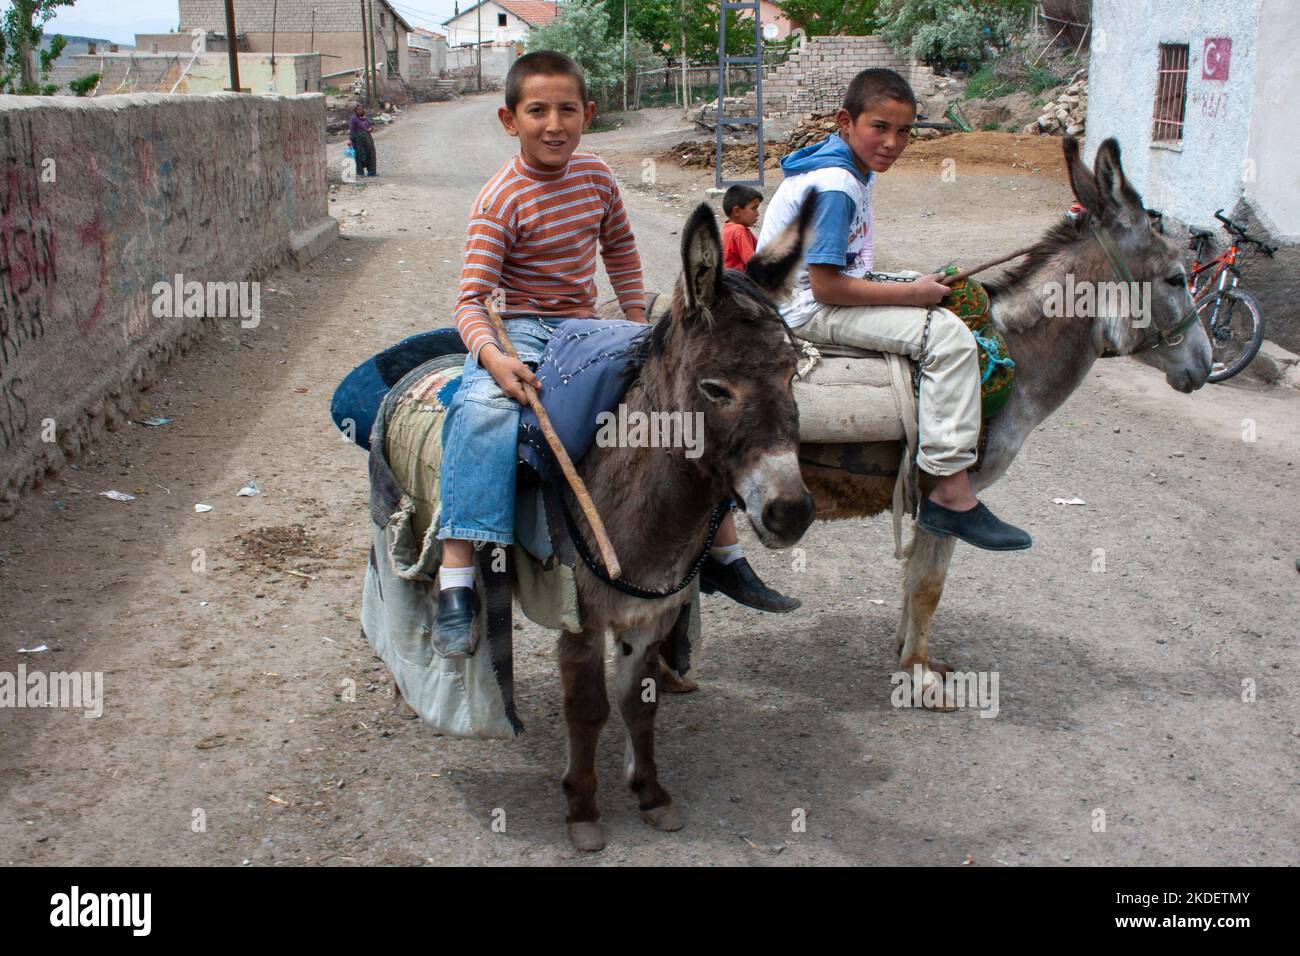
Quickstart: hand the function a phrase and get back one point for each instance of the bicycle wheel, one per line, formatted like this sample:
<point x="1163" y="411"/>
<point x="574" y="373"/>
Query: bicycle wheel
<point x="1238" y="330"/>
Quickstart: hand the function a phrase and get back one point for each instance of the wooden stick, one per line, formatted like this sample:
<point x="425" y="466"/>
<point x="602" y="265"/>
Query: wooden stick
<point x="958" y="276"/>
<point x="557" y="448"/>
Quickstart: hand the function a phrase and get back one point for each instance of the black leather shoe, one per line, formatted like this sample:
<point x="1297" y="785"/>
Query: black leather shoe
<point x="738" y="581"/>
<point x="978" y="526"/>
<point x="453" y="630"/>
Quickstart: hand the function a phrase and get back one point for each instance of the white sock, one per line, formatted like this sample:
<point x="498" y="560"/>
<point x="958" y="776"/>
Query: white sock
<point x="455" y="578"/>
<point x="726" y="553"/>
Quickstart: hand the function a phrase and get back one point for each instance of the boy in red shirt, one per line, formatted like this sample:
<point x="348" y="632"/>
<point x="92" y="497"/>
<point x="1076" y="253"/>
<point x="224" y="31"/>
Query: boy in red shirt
<point x="740" y="206"/>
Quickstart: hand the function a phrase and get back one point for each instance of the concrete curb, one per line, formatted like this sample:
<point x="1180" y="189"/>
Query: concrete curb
<point x="306" y="244"/>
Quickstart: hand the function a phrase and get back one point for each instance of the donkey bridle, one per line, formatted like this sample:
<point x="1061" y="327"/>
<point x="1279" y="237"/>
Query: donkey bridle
<point x="1171" y="336"/>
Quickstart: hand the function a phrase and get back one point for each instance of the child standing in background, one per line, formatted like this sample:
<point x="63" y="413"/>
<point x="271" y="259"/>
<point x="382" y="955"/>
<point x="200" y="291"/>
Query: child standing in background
<point x="740" y="206"/>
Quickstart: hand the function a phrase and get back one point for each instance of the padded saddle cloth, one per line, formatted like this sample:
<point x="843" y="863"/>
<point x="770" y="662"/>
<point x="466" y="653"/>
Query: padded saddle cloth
<point x="584" y="370"/>
<point x="355" y="403"/>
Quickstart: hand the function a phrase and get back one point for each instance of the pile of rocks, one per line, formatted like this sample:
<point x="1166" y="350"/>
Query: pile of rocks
<point x="735" y="156"/>
<point x="1067" y="114"/>
<point x="813" y="128"/>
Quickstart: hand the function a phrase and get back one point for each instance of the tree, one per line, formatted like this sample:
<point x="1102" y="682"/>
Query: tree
<point x="832" y="17"/>
<point x="581" y="31"/>
<point x="21" y="30"/>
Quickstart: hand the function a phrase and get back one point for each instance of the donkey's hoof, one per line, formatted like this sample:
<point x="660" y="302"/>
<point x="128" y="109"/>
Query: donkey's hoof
<point x="588" y="836"/>
<point x="668" y="818"/>
<point x="935" y="694"/>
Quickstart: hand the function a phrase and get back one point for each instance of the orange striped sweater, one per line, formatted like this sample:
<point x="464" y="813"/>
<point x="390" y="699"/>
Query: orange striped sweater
<point x="534" y="233"/>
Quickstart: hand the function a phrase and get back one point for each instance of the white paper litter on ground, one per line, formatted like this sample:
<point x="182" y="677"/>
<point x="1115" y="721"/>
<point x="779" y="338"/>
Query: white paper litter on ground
<point x="117" y="495"/>
<point x="33" y="650"/>
<point x="1069" y="501"/>
<point x="248" y="491"/>
<point x="200" y="509"/>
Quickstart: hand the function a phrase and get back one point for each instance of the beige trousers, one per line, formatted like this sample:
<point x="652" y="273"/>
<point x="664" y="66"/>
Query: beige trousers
<point x="948" y="407"/>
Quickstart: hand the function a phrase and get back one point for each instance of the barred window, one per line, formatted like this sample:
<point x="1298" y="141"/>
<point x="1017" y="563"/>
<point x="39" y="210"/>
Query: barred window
<point x="1171" y="94"/>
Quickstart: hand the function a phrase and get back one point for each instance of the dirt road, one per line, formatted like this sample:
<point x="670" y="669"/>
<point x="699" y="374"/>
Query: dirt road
<point x="226" y="737"/>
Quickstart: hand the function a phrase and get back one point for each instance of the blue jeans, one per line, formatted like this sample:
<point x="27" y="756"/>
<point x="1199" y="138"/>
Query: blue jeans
<point x="479" y="439"/>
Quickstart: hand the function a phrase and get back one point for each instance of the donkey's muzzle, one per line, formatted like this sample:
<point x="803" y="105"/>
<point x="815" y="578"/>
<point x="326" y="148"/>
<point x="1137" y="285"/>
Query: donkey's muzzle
<point x="777" y="502"/>
<point x="788" y="518"/>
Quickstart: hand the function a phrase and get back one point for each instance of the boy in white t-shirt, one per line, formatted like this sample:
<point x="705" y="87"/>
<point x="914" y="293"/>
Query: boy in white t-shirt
<point x="837" y="303"/>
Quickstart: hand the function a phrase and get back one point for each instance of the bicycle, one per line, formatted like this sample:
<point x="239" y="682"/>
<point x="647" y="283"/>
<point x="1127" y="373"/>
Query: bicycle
<point x="1219" y="301"/>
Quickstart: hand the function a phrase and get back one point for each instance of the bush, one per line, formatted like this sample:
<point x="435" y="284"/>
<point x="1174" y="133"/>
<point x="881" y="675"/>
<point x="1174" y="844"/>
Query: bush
<point x="84" y="84"/>
<point x="581" y="32"/>
<point x="952" y="32"/>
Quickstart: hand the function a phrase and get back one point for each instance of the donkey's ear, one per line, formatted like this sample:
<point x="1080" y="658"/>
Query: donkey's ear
<point x="1081" y="180"/>
<point x="701" y="260"/>
<point x="1121" y="201"/>
<point x="775" y="266"/>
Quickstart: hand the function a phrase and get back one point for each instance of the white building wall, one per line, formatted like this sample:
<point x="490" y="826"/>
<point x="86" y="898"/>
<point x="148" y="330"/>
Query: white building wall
<point x="1206" y="172"/>
<point x="464" y="28"/>
<point x="1272" y="171"/>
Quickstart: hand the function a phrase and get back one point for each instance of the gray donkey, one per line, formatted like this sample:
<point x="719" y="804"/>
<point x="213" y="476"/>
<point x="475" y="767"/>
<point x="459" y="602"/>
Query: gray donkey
<point x="723" y="350"/>
<point x="1116" y="241"/>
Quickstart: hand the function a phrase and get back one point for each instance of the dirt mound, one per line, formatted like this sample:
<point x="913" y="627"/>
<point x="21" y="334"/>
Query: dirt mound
<point x="1026" y="153"/>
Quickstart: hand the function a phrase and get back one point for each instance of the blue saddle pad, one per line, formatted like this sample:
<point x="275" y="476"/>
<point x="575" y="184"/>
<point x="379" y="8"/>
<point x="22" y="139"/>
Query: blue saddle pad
<point x="584" y="371"/>
<point x="356" y="401"/>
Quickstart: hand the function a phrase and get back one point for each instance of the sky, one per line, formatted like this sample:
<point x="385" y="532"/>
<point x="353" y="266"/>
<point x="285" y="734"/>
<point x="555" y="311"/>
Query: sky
<point x="120" y="20"/>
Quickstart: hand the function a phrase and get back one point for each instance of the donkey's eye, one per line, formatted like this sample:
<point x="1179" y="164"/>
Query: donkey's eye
<point x="714" y="390"/>
<point x="1176" y="281"/>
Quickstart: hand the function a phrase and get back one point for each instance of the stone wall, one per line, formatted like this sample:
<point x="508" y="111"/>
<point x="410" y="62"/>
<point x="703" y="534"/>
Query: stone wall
<point x="101" y="201"/>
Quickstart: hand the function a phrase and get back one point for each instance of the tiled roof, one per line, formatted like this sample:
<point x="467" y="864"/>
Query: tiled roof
<point x="533" y="12"/>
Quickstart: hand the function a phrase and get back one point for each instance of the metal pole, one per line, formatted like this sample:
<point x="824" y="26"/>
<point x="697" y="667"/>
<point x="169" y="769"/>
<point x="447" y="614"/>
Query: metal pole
<point x="274" y="5"/>
<point x="624" y="56"/>
<point x="230" y="45"/>
<point x="479" y="8"/>
<point x="313" y="29"/>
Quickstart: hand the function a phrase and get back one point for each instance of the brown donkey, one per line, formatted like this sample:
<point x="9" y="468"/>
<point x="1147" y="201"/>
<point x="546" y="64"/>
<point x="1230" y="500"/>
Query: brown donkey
<point x="1116" y="242"/>
<point x="723" y="351"/>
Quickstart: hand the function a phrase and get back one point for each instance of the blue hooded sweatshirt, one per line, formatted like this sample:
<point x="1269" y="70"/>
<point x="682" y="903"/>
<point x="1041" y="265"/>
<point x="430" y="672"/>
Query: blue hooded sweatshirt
<point x="842" y="223"/>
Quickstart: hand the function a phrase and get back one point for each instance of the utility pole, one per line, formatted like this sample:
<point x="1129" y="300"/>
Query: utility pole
<point x="624" y="56"/>
<point x="374" y="57"/>
<point x="313" y="29"/>
<point x="479" y="8"/>
<point x="365" y="59"/>
<point x="274" y="7"/>
<point x="230" y="45"/>
<point x="686" y="80"/>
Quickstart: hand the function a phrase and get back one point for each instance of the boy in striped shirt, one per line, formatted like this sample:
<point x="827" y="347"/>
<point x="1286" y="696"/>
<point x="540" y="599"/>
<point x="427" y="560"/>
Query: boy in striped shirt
<point x="533" y="233"/>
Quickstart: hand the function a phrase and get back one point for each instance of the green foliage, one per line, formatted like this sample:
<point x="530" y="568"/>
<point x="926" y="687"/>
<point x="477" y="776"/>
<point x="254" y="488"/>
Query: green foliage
<point x="1041" y="78"/>
<point x="84" y="84"/>
<point x="833" y="17"/>
<point x="949" y="32"/>
<point x="21" y="29"/>
<point x="581" y="31"/>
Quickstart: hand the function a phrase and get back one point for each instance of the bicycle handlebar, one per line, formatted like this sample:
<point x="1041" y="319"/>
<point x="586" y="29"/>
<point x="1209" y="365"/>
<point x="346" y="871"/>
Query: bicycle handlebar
<point x="1241" y="233"/>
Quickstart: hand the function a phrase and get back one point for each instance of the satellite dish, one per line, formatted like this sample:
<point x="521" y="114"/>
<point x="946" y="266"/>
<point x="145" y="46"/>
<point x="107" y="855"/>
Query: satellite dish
<point x="770" y="31"/>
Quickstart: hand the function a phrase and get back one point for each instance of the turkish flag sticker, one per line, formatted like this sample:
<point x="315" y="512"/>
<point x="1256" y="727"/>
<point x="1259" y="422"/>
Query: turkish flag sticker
<point x="1214" y="61"/>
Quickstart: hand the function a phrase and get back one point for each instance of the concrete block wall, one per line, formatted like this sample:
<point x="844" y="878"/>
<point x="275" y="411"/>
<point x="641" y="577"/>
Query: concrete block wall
<point x="816" y="75"/>
<point x="100" y="200"/>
